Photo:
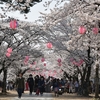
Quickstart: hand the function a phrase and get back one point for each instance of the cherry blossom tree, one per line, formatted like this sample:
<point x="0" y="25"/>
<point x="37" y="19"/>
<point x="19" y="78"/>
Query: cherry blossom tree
<point x="79" y="51"/>
<point x="84" y="46"/>
<point x="22" y="5"/>
<point x="22" y="45"/>
<point x="26" y="40"/>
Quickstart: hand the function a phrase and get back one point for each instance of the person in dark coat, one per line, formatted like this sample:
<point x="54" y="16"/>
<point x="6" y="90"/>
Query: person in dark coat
<point x="30" y="81"/>
<point x="20" y="85"/>
<point x="48" y="85"/>
<point x="41" y="85"/>
<point x="36" y="82"/>
<point x="56" y="86"/>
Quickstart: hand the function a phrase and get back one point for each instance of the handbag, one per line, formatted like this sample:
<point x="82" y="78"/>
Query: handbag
<point x="37" y="91"/>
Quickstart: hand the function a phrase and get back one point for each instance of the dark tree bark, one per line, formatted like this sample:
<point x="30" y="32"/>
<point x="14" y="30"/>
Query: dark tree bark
<point x="89" y="66"/>
<point x="86" y="75"/>
<point x="83" y="76"/>
<point x="97" y="81"/>
<point x="1" y="70"/>
<point x="4" y="81"/>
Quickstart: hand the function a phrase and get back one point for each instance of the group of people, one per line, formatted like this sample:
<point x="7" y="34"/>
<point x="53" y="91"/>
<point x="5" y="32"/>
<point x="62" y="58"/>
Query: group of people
<point x="37" y="84"/>
<point x="10" y="86"/>
<point x="78" y="87"/>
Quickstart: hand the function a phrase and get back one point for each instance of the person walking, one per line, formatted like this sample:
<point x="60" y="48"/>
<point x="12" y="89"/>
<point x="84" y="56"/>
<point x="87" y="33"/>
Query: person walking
<point x="36" y="83"/>
<point x="55" y="86"/>
<point x="48" y="85"/>
<point x="71" y="85"/>
<point x="30" y="81"/>
<point x="76" y="84"/>
<point x="41" y="85"/>
<point x="20" y="85"/>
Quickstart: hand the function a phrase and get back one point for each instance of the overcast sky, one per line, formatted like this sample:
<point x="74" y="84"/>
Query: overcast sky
<point x="34" y="14"/>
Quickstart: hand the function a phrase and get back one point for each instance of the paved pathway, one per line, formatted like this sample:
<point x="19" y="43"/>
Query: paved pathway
<point x="26" y="96"/>
<point x="50" y="96"/>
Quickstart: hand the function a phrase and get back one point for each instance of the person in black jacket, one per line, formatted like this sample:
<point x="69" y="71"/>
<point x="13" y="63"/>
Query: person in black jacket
<point x="41" y="85"/>
<point x="36" y="84"/>
<point x="30" y="81"/>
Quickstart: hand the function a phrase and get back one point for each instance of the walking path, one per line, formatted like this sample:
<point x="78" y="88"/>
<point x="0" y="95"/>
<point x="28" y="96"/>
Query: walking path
<point x="26" y="96"/>
<point x="46" y="96"/>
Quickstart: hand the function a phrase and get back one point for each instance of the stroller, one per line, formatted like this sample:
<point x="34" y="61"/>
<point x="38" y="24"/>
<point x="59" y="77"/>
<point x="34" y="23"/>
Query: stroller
<point x="61" y="90"/>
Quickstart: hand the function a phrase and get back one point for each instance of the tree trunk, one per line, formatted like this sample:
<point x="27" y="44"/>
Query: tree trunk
<point x="86" y="75"/>
<point x="97" y="82"/>
<point x="83" y="76"/>
<point x="89" y="66"/>
<point x="88" y="80"/>
<point x="4" y="81"/>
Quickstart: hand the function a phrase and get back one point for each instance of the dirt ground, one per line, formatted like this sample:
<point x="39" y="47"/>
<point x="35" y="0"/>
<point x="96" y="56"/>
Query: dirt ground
<point x="8" y="95"/>
<point x="11" y="94"/>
